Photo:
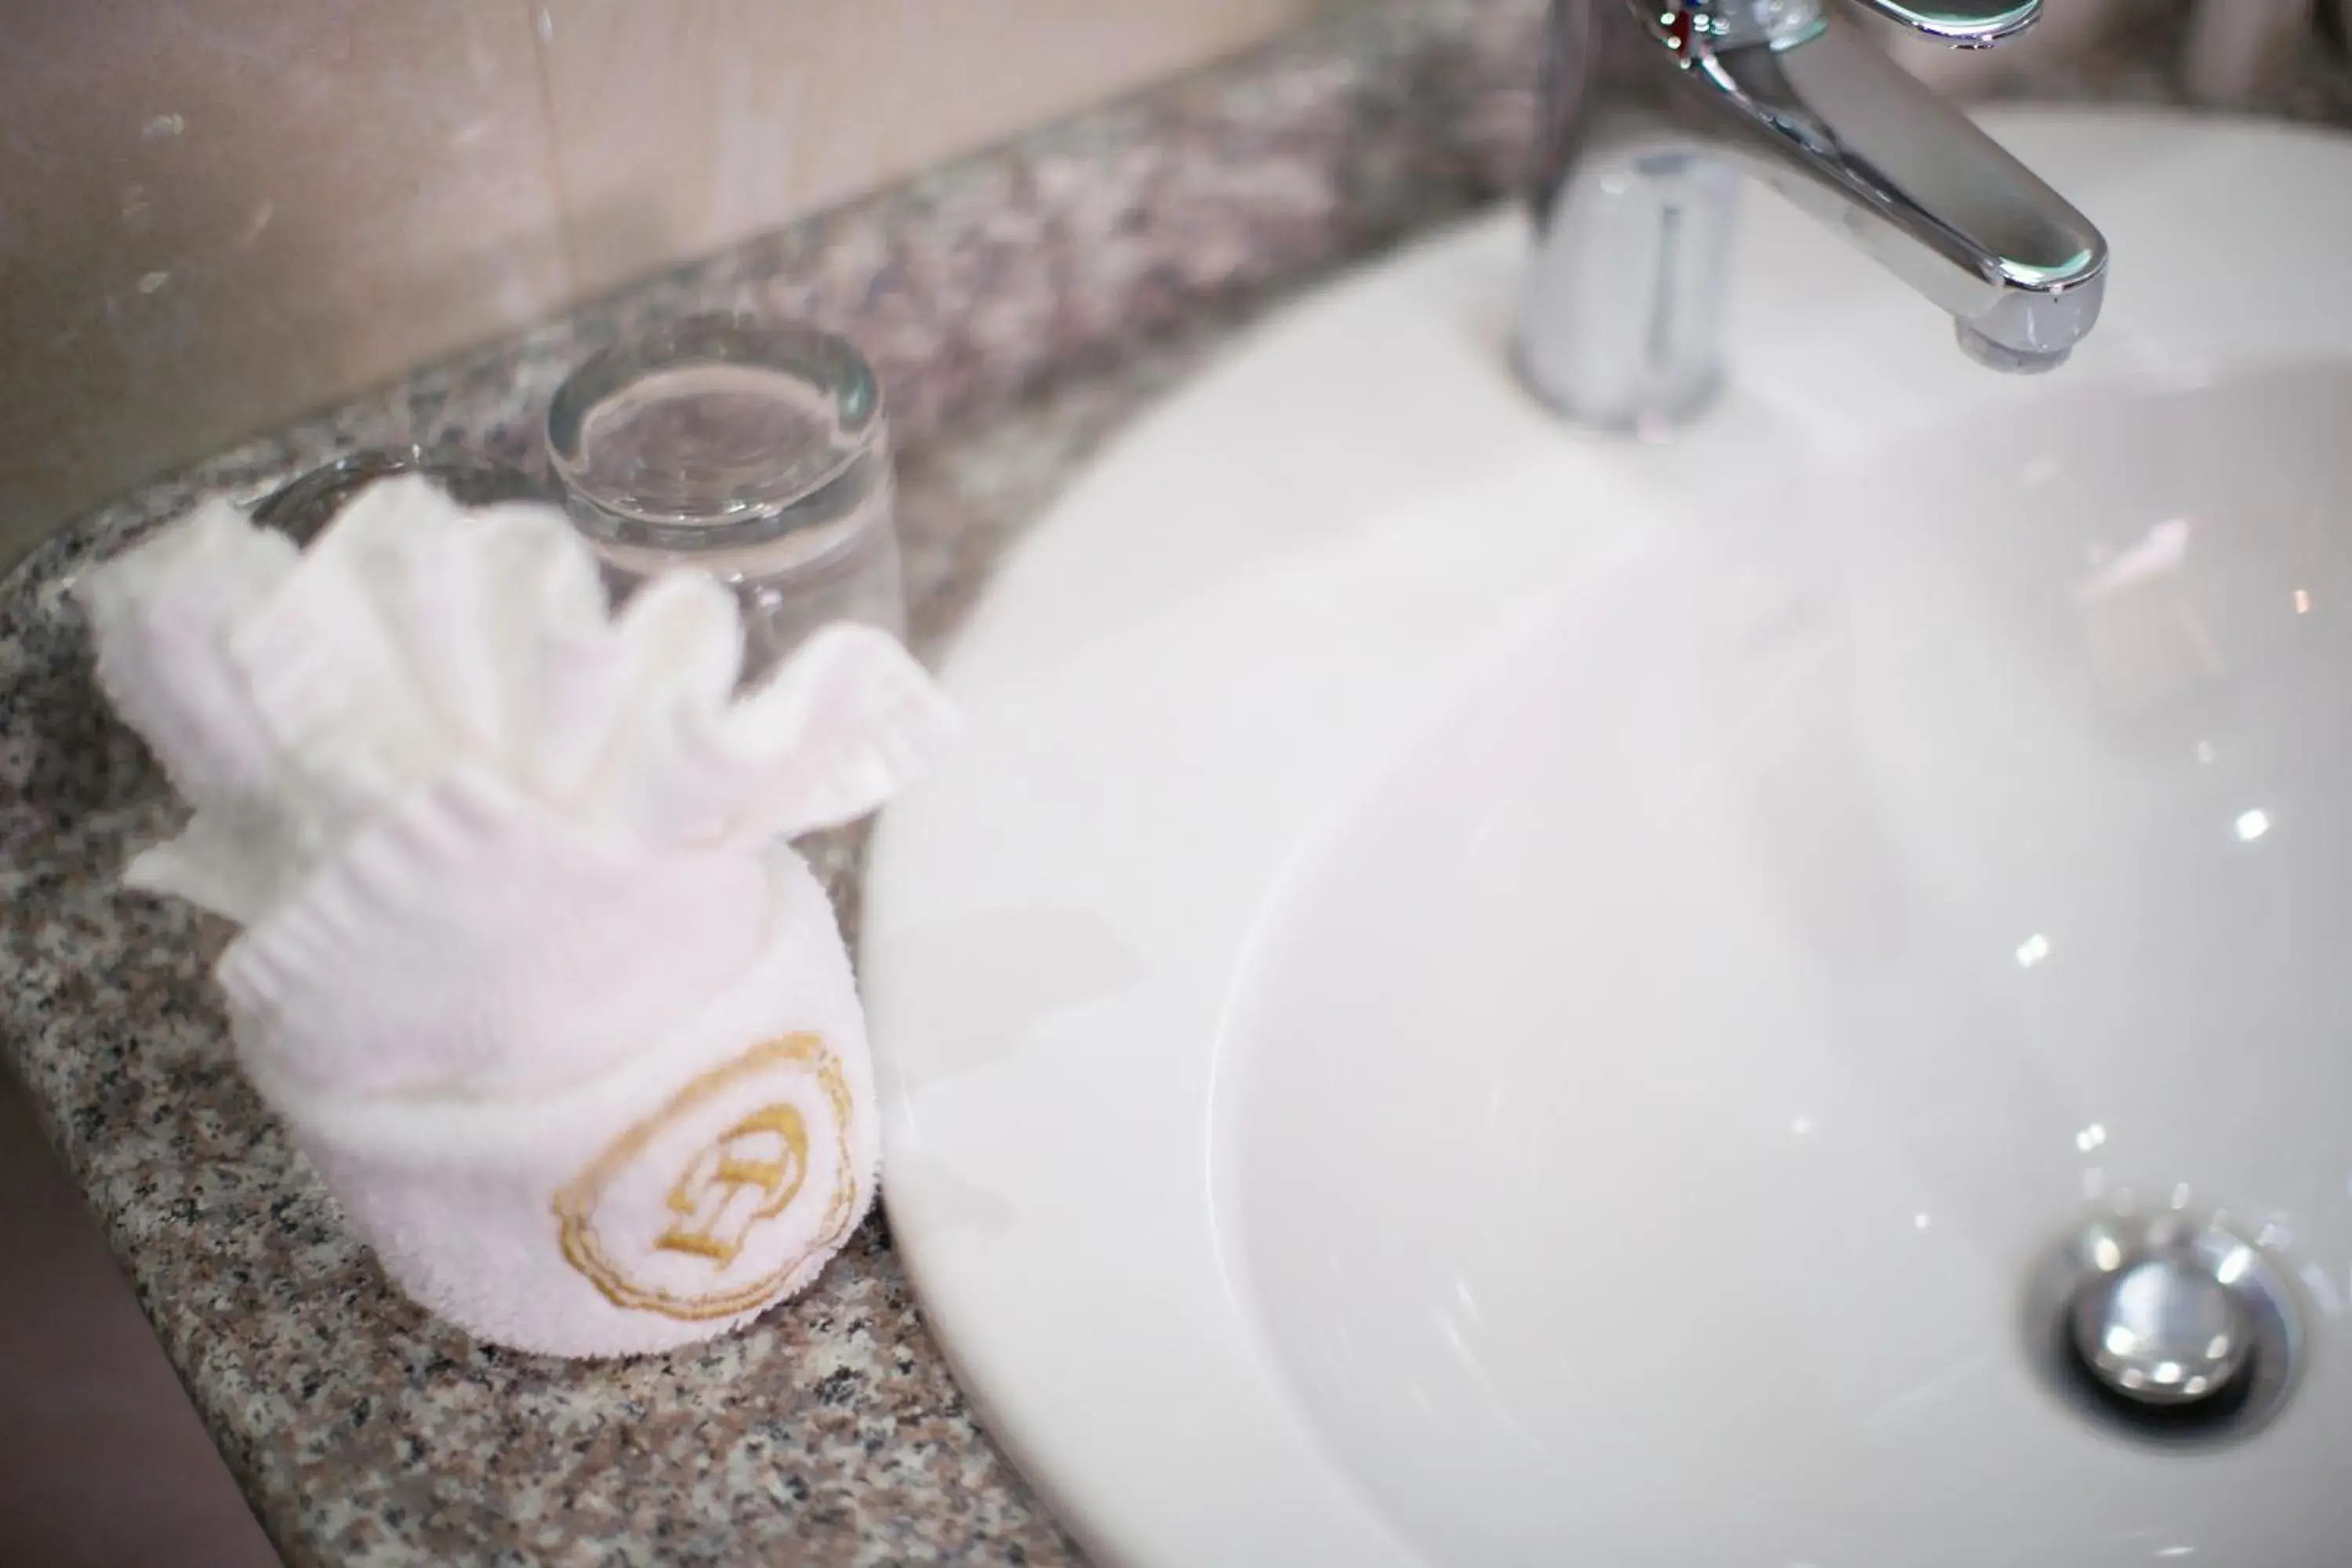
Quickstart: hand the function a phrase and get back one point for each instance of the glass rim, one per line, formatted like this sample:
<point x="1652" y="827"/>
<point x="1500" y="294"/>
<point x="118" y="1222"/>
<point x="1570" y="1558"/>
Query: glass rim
<point x="825" y="361"/>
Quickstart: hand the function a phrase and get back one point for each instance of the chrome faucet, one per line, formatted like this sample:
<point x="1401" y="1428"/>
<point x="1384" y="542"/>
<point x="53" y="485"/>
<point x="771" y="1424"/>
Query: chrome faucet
<point x="1650" y="109"/>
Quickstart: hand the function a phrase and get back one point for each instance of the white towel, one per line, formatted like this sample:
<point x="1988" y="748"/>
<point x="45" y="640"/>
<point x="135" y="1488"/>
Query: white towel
<point x="675" y="1197"/>
<point x="525" y="964"/>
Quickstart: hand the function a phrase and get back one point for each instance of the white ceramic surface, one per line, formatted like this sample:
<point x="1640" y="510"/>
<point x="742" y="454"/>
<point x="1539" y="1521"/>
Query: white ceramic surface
<point x="1480" y="995"/>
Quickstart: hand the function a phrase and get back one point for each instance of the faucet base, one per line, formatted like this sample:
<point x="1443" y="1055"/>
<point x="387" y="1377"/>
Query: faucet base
<point x="1620" y="315"/>
<point x="1651" y="422"/>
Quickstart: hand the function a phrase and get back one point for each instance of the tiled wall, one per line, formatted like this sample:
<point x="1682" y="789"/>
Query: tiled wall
<point x="217" y="215"/>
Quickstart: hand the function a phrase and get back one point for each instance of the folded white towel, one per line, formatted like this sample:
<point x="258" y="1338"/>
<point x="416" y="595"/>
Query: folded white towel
<point x="525" y="964"/>
<point x="468" y="944"/>
<point x="673" y="1198"/>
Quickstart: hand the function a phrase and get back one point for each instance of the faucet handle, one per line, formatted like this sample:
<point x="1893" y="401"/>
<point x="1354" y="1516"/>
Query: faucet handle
<point x="1963" y="24"/>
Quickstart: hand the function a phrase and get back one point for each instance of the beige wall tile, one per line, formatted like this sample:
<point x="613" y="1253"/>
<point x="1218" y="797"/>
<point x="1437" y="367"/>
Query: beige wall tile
<point x="682" y="128"/>
<point x="220" y="214"/>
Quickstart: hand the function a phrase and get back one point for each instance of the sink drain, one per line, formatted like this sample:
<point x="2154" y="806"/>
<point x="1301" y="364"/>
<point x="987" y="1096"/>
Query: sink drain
<point x="2170" y="1329"/>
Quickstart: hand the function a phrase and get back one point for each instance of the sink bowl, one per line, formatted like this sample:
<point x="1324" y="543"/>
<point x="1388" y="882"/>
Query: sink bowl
<point x="1481" y="995"/>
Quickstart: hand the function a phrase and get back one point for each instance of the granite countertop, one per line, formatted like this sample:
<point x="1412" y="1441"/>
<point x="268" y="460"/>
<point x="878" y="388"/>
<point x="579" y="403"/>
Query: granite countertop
<point x="1019" y="305"/>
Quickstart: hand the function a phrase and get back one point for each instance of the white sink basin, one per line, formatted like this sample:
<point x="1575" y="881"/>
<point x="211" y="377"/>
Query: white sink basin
<point x="1481" y="995"/>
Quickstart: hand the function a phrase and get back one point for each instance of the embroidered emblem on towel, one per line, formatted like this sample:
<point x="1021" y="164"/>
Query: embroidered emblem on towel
<point x="717" y="1202"/>
<point x="750" y="1175"/>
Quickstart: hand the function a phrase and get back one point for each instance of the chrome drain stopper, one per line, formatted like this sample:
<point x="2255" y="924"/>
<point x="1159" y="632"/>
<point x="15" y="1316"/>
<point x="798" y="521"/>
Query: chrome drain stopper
<point x="2170" y="1328"/>
<point x="2162" y="1332"/>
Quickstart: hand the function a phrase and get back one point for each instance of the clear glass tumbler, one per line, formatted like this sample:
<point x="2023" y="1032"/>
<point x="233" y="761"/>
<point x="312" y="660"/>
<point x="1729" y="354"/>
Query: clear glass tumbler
<point x="755" y="451"/>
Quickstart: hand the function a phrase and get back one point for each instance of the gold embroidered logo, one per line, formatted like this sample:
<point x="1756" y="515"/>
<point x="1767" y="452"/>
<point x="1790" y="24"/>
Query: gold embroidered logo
<point x="704" y="1210"/>
<point x="713" y="1222"/>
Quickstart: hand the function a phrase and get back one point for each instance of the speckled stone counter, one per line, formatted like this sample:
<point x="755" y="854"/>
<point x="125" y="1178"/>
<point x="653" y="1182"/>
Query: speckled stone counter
<point x="1019" y="305"/>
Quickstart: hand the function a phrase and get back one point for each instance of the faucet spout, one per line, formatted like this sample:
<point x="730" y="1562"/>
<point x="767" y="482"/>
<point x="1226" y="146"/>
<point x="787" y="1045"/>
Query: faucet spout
<point x="1652" y="110"/>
